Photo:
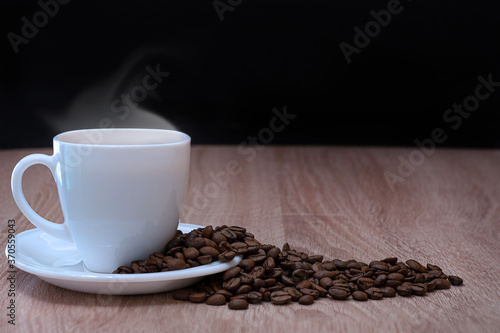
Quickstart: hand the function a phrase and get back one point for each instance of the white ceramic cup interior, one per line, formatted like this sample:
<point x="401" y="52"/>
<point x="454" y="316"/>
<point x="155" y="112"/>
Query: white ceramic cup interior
<point x="121" y="191"/>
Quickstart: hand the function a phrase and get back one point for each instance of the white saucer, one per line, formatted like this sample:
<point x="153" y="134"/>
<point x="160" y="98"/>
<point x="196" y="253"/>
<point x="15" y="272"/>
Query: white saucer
<point x="59" y="263"/>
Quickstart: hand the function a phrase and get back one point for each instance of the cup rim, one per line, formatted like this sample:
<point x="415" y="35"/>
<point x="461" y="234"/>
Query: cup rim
<point x="184" y="137"/>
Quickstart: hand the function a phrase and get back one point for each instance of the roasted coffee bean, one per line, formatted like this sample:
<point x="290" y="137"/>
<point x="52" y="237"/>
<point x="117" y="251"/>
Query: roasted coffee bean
<point x="419" y="278"/>
<point x="190" y="253"/>
<point x="365" y="283"/>
<point x="217" y="237"/>
<point x="243" y="289"/>
<point x="326" y="283"/>
<point x="240" y="248"/>
<point x="280" y="297"/>
<point x="181" y="294"/>
<point x="176" y="264"/>
<point x="312" y="292"/>
<point x="419" y="289"/>
<point x="338" y="294"/>
<point x="232" y="284"/>
<point x="231" y="273"/>
<point x="379" y="265"/>
<point x="360" y="296"/>
<point x="380" y="280"/>
<point x="216" y="299"/>
<point x="404" y="290"/>
<point x="227" y="294"/>
<point x="303" y="284"/>
<point x="416" y="266"/>
<point x="258" y="283"/>
<point x="431" y="285"/>
<point x="268" y="265"/>
<point x="433" y="267"/>
<point x="294" y="293"/>
<point x="322" y="291"/>
<point x="205" y="259"/>
<point x="396" y="277"/>
<point x="226" y="256"/>
<point x="455" y="280"/>
<point x="197" y="297"/>
<point x="208" y="250"/>
<point x="388" y="291"/>
<point x="198" y="243"/>
<point x="306" y="300"/>
<point x="247" y="264"/>
<point x="207" y="232"/>
<point x="237" y="304"/>
<point x="391" y="260"/>
<point x="442" y="284"/>
<point x="374" y="293"/>
<point x="258" y="258"/>
<point x="254" y="297"/>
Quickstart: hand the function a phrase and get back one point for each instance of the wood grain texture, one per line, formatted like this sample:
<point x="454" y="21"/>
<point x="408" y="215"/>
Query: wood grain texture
<point x="323" y="200"/>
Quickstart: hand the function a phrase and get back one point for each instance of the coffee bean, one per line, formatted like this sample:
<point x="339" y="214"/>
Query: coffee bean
<point x="416" y="266"/>
<point x="247" y="264"/>
<point x="197" y="297"/>
<point x="360" y="296"/>
<point x="237" y="304"/>
<point x="455" y="280"/>
<point x="176" y="264"/>
<point x="365" y="283"/>
<point x="191" y="253"/>
<point x="431" y="285"/>
<point x="205" y="259"/>
<point x="254" y="297"/>
<point x="306" y="300"/>
<point x="374" y="293"/>
<point x="396" y="277"/>
<point x="312" y="292"/>
<point x="404" y="290"/>
<point x="216" y="299"/>
<point x="388" y="291"/>
<point x="391" y="260"/>
<point x="326" y="283"/>
<point x="232" y="284"/>
<point x="217" y="237"/>
<point x="442" y="284"/>
<point x="181" y="294"/>
<point x="433" y="267"/>
<point x="303" y="284"/>
<point x="226" y="256"/>
<point x="227" y="294"/>
<point x="243" y="289"/>
<point x="207" y="232"/>
<point x="419" y="289"/>
<point x="207" y="250"/>
<point x="198" y="243"/>
<point x="280" y="297"/>
<point x="231" y="273"/>
<point x="294" y="293"/>
<point x="322" y="291"/>
<point x="268" y="265"/>
<point x="338" y="294"/>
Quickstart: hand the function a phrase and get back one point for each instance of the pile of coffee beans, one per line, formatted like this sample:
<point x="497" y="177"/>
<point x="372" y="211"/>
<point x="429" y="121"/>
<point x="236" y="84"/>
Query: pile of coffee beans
<point x="281" y="276"/>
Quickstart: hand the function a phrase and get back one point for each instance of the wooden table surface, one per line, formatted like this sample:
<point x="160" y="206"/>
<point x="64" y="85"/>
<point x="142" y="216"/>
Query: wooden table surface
<point x="334" y="201"/>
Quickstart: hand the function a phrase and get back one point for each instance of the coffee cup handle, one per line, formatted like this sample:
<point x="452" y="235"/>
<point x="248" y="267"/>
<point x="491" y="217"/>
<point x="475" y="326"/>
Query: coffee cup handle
<point x="54" y="229"/>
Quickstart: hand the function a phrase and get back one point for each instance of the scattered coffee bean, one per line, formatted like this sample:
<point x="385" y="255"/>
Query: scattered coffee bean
<point x="360" y="296"/>
<point x="455" y="280"/>
<point x="442" y="284"/>
<point x="267" y="273"/>
<point x="216" y="299"/>
<point x="237" y="304"/>
<point x="306" y="300"/>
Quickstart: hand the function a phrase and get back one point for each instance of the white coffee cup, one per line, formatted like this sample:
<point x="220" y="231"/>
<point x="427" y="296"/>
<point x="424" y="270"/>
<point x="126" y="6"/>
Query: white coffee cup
<point x="121" y="192"/>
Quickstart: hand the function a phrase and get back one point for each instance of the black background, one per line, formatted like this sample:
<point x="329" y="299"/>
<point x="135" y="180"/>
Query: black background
<point x="227" y="76"/>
